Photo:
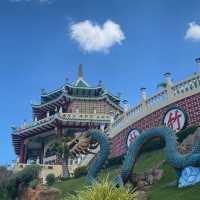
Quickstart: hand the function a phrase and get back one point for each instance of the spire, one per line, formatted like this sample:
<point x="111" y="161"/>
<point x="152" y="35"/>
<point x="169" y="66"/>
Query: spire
<point x="80" y="71"/>
<point x="80" y="81"/>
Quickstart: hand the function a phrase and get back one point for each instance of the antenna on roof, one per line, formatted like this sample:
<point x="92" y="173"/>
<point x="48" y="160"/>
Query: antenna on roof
<point x="80" y="71"/>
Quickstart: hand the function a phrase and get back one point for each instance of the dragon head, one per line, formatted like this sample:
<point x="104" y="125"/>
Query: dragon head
<point x="82" y="144"/>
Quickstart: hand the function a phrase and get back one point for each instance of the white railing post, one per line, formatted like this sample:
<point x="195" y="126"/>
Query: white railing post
<point x="198" y="64"/>
<point x="144" y="98"/>
<point x="169" y="84"/>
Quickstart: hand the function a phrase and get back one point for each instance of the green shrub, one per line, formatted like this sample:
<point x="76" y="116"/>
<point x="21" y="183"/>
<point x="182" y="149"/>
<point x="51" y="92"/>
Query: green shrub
<point x="157" y="143"/>
<point x="5" y="176"/>
<point x="105" y="190"/>
<point x="80" y="171"/>
<point x="50" y="179"/>
<point x="33" y="184"/>
<point x="22" y="179"/>
<point x="153" y="145"/>
<point x="115" y="161"/>
<point x="28" y="174"/>
<point x="186" y="132"/>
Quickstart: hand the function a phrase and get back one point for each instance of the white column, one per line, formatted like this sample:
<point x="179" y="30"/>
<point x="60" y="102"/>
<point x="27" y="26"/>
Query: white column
<point x="125" y="106"/>
<point x="168" y="79"/>
<point x="143" y="93"/>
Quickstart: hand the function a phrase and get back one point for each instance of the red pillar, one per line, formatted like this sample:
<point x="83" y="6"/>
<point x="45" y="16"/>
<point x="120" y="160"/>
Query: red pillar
<point x="22" y="153"/>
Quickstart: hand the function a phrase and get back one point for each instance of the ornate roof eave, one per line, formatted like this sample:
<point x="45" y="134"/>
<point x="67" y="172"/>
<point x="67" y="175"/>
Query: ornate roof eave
<point x="52" y="103"/>
<point x="60" y="117"/>
<point x="112" y="96"/>
<point x="49" y="123"/>
<point x="62" y="89"/>
<point x="55" y="102"/>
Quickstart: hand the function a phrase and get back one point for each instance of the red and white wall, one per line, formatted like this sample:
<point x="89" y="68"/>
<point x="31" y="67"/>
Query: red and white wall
<point x="190" y="105"/>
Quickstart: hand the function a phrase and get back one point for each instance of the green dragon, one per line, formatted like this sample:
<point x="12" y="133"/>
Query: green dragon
<point x="91" y="139"/>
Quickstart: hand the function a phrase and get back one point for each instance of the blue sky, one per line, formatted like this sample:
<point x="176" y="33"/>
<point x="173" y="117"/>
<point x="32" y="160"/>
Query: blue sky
<point x="38" y="49"/>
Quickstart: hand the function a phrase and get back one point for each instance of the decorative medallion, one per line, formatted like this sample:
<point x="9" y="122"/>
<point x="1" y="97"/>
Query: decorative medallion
<point x="132" y="135"/>
<point x="175" y="119"/>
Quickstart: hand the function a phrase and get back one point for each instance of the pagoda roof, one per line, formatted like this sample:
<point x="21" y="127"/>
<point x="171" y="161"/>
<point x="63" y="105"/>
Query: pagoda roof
<point x="79" y="90"/>
<point x="65" y="96"/>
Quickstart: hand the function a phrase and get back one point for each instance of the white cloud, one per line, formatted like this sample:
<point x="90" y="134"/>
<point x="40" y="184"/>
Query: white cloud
<point x="93" y="37"/>
<point x="193" y="31"/>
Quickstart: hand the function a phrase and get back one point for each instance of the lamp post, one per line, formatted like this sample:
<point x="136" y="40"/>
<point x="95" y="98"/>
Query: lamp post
<point x="197" y="60"/>
<point x="125" y="106"/>
<point x="143" y="93"/>
<point x="168" y="79"/>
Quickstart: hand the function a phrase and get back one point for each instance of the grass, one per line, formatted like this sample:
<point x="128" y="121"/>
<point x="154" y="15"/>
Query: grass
<point x="68" y="186"/>
<point x="159" y="191"/>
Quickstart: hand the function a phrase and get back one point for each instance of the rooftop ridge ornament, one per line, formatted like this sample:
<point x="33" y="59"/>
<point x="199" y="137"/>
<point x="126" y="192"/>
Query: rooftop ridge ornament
<point x="80" y="82"/>
<point x="80" y="71"/>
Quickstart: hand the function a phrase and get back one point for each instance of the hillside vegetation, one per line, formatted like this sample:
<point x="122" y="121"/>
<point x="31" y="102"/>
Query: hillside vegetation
<point x="159" y="191"/>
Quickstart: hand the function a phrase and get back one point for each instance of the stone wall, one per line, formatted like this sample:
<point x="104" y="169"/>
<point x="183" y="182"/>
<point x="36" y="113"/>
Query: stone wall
<point x="191" y="105"/>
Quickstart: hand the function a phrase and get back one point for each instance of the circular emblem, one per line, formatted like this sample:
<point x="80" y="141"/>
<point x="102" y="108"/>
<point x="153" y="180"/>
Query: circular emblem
<point x="175" y="119"/>
<point x="132" y="135"/>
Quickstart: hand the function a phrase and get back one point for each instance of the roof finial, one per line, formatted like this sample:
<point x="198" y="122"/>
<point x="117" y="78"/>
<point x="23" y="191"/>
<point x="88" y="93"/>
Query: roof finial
<point x="80" y="71"/>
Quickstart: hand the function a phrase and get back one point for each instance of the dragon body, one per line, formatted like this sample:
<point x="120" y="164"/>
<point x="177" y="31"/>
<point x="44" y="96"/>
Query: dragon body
<point x="174" y="158"/>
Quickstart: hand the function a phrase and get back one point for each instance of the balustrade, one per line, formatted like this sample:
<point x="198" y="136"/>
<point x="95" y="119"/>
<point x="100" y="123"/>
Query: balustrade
<point x="168" y="95"/>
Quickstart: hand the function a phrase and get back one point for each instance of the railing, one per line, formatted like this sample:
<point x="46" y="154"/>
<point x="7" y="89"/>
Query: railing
<point x="167" y="96"/>
<point x="86" y="117"/>
<point x="46" y="169"/>
<point x="44" y="166"/>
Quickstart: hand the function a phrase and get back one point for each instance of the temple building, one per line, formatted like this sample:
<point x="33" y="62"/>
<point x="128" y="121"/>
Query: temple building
<point x="71" y="109"/>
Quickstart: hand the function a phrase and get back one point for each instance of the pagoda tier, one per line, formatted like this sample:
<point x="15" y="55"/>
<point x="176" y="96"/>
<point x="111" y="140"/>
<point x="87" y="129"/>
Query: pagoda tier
<point x="64" y="120"/>
<point x="68" y="94"/>
<point x="64" y="100"/>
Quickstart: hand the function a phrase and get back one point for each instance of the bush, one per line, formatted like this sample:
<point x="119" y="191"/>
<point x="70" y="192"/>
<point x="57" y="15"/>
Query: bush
<point x="33" y="184"/>
<point x="28" y="174"/>
<point x="105" y="190"/>
<point x="186" y="132"/>
<point x="80" y="171"/>
<point x="50" y="179"/>
<point x="5" y="176"/>
<point x="157" y="143"/>
<point x="17" y="182"/>
<point x="153" y="145"/>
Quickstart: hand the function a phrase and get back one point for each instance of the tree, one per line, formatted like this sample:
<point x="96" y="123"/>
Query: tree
<point x="62" y="150"/>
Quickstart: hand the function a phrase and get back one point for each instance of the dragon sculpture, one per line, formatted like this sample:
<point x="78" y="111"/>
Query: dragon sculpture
<point x="90" y="140"/>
